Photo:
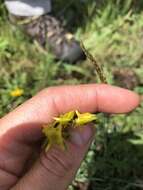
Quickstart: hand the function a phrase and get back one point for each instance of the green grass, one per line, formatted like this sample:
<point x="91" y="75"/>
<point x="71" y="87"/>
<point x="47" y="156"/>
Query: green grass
<point x="113" y="32"/>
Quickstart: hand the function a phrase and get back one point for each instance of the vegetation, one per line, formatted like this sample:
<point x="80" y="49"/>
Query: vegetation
<point x="112" y="30"/>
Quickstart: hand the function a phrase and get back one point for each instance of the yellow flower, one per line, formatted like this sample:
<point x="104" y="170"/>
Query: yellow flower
<point x="54" y="136"/>
<point x="58" y="131"/>
<point x="17" y="92"/>
<point x="66" y="118"/>
<point x="84" y="118"/>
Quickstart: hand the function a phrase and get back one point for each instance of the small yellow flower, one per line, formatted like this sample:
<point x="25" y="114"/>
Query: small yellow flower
<point x="84" y="118"/>
<point x="58" y="131"/>
<point x="17" y="92"/>
<point x="66" y="118"/>
<point x="54" y="136"/>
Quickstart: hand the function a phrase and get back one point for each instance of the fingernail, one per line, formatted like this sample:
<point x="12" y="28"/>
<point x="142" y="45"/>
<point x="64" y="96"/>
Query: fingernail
<point x="81" y="136"/>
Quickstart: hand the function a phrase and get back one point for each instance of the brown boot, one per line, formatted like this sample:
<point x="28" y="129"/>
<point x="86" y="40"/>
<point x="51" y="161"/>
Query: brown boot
<point x="47" y="30"/>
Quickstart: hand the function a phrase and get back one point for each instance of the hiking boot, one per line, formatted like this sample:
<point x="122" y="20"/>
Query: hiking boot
<point x="48" y="32"/>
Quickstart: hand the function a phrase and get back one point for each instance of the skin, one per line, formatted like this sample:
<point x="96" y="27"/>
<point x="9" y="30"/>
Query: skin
<point x="20" y="135"/>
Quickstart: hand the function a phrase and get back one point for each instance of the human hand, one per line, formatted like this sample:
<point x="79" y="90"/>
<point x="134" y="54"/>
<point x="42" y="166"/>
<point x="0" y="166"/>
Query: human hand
<point x="20" y="135"/>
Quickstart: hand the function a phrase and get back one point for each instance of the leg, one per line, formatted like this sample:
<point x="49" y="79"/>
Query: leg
<point x="32" y="16"/>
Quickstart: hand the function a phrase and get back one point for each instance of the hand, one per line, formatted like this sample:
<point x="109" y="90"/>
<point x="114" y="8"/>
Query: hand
<point x="20" y="135"/>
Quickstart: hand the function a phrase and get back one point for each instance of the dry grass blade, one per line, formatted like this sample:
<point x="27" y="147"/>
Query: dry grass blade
<point x="94" y="62"/>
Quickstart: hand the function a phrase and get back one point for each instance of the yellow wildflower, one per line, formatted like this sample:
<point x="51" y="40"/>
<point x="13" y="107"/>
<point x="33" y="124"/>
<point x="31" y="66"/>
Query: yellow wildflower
<point x="54" y="135"/>
<point x="66" y="118"/>
<point x="17" y="92"/>
<point x="58" y="131"/>
<point x="84" y="118"/>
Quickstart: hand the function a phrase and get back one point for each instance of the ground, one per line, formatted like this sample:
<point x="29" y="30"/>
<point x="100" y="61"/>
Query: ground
<point x="113" y="32"/>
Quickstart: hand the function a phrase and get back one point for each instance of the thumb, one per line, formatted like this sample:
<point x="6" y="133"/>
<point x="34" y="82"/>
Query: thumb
<point x="56" y="169"/>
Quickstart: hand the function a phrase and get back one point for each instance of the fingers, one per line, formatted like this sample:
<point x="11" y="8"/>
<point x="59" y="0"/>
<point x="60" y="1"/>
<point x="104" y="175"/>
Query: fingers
<point x="54" y="101"/>
<point x="56" y="169"/>
<point x="23" y="125"/>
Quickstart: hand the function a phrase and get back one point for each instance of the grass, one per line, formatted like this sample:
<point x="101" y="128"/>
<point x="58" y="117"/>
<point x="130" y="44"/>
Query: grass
<point x="113" y="32"/>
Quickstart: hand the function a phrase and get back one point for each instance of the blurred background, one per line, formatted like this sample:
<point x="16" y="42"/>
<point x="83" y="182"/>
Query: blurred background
<point x="112" y="30"/>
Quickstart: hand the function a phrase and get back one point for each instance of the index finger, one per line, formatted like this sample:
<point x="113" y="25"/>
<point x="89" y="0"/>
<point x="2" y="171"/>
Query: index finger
<point x="57" y="100"/>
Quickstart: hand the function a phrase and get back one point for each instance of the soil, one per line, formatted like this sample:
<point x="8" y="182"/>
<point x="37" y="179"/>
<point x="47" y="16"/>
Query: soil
<point x="125" y="78"/>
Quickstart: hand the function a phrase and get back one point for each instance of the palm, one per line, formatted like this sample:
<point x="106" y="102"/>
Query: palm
<point x="20" y="132"/>
<point x="17" y="151"/>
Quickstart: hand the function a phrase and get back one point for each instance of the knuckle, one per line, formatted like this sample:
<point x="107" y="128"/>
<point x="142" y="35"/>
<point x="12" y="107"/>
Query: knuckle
<point x="57" y="164"/>
<point x="51" y="94"/>
<point x="48" y="91"/>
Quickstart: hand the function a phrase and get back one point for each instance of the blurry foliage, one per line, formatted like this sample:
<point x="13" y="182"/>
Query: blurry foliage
<point x="112" y="30"/>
